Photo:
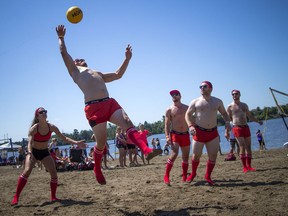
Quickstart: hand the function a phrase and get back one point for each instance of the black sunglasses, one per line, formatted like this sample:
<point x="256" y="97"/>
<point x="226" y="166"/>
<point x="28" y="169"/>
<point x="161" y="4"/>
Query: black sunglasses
<point x="176" y="94"/>
<point x="203" y="86"/>
<point x="235" y="93"/>
<point x="43" y="111"/>
<point x="77" y="60"/>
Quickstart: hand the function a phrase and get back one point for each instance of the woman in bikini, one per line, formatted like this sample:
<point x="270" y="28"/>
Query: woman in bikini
<point x="38" y="137"/>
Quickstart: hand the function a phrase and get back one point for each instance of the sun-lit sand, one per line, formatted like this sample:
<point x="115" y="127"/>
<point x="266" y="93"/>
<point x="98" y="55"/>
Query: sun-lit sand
<point x="141" y="191"/>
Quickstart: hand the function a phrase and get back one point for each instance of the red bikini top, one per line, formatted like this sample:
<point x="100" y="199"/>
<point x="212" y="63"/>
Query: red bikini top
<point x="42" y="138"/>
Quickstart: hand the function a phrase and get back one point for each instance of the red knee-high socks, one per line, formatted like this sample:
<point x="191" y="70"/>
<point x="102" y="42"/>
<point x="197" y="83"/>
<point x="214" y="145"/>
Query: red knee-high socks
<point x="169" y="166"/>
<point x="97" y="165"/>
<point x="20" y="185"/>
<point x="243" y="159"/>
<point x="134" y="136"/>
<point x="185" y="165"/>
<point x="248" y="162"/>
<point x="53" y="187"/>
<point x="209" y="168"/>
<point x="194" y="170"/>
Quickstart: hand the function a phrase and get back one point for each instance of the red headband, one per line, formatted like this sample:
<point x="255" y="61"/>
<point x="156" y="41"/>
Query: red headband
<point x="208" y="83"/>
<point x="37" y="110"/>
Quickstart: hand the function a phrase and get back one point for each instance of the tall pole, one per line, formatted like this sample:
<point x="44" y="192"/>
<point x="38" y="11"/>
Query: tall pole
<point x="278" y="104"/>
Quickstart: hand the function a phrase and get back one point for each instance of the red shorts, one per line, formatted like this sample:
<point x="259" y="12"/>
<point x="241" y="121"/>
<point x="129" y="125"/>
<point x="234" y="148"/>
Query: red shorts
<point x="205" y="135"/>
<point x="241" y="131"/>
<point x="100" y="112"/>
<point x="183" y="139"/>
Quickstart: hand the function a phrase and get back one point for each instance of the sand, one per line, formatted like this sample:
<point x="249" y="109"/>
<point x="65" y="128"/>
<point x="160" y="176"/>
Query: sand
<point x="141" y="191"/>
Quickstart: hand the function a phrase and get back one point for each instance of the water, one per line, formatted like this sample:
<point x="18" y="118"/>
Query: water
<point x="275" y="135"/>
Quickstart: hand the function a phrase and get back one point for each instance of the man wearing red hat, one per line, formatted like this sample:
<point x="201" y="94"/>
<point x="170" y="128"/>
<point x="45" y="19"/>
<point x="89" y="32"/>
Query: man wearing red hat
<point x="238" y="112"/>
<point x="177" y="134"/>
<point x="201" y="118"/>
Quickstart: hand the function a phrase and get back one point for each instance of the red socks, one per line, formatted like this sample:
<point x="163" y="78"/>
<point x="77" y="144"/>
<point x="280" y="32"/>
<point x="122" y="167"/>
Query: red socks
<point x="169" y="166"/>
<point x="209" y="168"/>
<point x="248" y="162"/>
<point x="134" y="136"/>
<point x="243" y="159"/>
<point x="22" y="182"/>
<point x="184" y="170"/>
<point x="53" y="187"/>
<point x="20" y="185"/>
<point x="194" y="169"/>
<point x="97" y="166"/>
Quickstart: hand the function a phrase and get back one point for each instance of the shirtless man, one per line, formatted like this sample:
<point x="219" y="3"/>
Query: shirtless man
<point x="201" y="118"/>
<point x="177" y="134"/>
<point x="238" y="112"/>
<point x="99" y="107"/>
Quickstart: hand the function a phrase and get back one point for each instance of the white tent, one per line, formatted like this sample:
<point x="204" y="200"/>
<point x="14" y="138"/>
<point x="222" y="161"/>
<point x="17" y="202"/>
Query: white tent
<point x="7" y="146"/>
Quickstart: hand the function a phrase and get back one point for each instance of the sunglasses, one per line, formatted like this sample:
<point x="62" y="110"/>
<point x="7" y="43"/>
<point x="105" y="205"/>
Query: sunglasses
<point x="175" y="95"/>
<point x="43" y="111"/>
<point x="235" y="94"/>
<point x="203" y="86"/>
<point x="78" y="60"/>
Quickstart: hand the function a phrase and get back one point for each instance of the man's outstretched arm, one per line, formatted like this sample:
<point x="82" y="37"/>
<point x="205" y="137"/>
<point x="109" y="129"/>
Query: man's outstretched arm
<point x="69" y="62"/>
<point x="109" y="77"/>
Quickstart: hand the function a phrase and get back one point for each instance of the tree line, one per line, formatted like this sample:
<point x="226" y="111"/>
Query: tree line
<point x="158" y="127"/>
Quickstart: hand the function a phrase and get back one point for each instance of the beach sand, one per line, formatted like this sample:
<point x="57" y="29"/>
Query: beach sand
<point x="141" y="191"/>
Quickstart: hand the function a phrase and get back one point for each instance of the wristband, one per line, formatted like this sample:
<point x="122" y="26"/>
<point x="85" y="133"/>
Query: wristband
<point x="190" y="126"/>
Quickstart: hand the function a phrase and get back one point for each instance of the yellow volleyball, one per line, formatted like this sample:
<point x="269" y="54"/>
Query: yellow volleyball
<point x="74" y="14"/>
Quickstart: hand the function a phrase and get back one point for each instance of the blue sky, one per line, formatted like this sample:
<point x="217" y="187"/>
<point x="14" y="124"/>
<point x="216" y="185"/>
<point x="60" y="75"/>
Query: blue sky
<point x="176" y="45"/>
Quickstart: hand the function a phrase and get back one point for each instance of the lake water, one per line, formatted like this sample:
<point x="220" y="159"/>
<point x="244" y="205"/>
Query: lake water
<point x="275" y="135"/>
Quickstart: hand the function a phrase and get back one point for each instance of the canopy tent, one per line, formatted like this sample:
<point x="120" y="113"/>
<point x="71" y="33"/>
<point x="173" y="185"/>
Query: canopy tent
<point x="8" y="146"/>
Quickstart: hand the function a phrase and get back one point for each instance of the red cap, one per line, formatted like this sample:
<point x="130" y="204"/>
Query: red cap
<point x="208" y="83"/>
<point x="175" y="92"/>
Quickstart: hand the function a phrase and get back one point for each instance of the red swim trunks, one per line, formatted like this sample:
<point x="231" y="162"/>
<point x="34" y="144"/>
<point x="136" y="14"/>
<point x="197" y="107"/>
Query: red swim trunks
<point x="205" y="135"/>
<point x="99" y="112"/>
<point x="182" y="138"/>
<point x="241" y="131"/>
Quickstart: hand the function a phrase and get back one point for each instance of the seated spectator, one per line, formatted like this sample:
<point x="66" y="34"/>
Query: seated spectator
<point x="89" y="160"/>
<point x="59" y="162"/>
<point x="76" y="155"/>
